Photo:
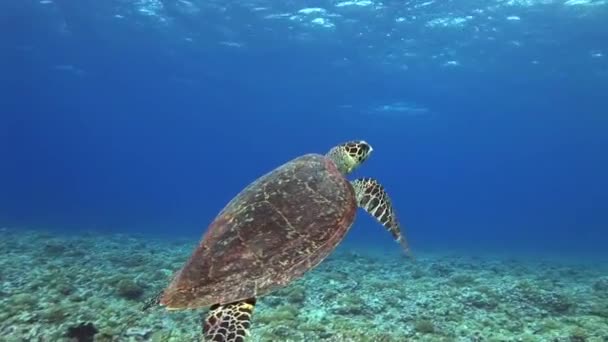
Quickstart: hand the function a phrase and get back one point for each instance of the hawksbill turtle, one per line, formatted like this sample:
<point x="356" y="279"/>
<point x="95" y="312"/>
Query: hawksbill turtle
<point x="277" y="228"/>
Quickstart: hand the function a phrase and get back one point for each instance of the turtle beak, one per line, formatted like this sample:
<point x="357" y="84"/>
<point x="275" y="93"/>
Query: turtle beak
<point x="369" y="147"/>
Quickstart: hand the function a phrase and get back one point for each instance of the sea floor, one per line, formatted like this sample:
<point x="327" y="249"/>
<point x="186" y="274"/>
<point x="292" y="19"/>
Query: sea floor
<point x="51" y="283"/>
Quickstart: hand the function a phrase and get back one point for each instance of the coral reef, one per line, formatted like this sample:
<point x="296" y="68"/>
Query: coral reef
<point x="52" y="283"/>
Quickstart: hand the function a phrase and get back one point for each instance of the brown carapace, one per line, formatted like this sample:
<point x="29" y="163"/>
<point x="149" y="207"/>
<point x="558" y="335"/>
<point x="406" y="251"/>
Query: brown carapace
<point x="275" y="230"/>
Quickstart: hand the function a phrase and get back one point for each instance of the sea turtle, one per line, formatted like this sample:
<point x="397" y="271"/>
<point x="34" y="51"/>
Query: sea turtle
<point x="277" y="228"/>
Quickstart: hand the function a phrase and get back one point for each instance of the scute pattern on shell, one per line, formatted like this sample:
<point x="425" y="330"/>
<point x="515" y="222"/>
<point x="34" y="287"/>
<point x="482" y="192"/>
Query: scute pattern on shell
<point x="276" y="229"/>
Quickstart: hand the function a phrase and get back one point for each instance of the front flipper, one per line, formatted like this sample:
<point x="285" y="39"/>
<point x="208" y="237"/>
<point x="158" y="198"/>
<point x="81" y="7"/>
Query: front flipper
<point x="228" y="322"/>
<point x="372" y="197"/>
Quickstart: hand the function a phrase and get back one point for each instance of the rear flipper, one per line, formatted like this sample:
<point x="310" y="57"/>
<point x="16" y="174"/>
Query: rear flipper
<point x="152" y="301"/>
<point x="228" y="322"/>
<point x="372" y="197"/>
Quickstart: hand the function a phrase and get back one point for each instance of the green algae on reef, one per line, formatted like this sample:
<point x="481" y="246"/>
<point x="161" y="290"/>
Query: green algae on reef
<point x="52" y="282"/>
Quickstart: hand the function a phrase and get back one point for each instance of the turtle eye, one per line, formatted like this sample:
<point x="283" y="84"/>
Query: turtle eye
<point x="363" y="149"/>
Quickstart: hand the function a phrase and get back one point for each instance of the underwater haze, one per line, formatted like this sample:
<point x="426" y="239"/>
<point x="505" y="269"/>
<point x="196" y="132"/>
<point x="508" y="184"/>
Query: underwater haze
<point x="127" y="125"/>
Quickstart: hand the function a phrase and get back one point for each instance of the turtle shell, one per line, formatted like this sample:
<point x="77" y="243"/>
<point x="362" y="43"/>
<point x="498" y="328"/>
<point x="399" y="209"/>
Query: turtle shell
<point x="280" y="226"/>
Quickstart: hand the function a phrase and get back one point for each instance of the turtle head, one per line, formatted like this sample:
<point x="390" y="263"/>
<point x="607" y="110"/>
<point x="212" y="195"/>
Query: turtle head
<point x="349" y="155"/>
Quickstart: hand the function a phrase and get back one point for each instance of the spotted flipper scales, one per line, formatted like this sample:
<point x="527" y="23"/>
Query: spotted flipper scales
<point x="228" y="322"/>
<point x="372" y="197"/>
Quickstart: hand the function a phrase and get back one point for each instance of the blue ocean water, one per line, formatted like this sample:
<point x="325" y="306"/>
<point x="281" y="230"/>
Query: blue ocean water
<point x="488" y="118"/>
<point x="143" y="118"/>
